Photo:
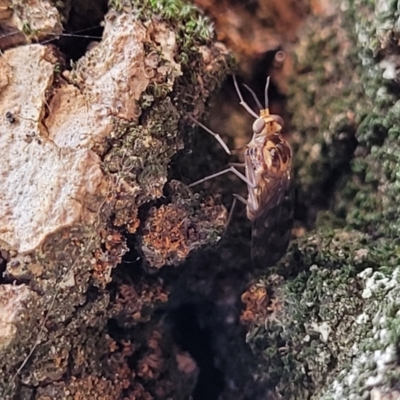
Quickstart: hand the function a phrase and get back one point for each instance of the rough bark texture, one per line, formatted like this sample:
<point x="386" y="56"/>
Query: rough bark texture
<point x="88" y="178"/>
<point x="83" y="149"/>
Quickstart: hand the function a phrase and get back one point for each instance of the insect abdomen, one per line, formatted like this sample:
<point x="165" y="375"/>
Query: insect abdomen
<point x="271" y="232"/>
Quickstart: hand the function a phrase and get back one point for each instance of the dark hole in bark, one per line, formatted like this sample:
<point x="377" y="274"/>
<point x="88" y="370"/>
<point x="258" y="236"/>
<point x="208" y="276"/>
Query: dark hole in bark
<point x="82" y="28"/>
<point x="196" y="339"/>
<point x="3" y="266"/>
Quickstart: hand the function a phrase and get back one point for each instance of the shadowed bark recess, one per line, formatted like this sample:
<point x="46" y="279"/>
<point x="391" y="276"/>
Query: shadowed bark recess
<point x="120" y="282"/>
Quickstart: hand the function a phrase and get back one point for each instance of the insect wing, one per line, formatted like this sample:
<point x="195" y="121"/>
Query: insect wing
<point x="271" y="228"/>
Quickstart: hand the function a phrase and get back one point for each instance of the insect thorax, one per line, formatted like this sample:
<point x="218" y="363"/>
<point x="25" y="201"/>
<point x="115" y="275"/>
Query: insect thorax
<point x="269" y="154"/>
<point x="277" y="154"/>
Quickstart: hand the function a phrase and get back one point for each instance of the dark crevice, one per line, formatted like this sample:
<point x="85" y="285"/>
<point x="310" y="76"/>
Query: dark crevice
<point x="93" y="293"/>
<point x="203" y="319"/>
<point x="200" y="318"/>
<point x="82" y="26"/>
<point x="3" y="266"/>
<point x="198" y="341"/>
<point x="25" y="392"/>
<point x="208" y="157"/>
<point x="8" y="279"/>
<point x="129" y="270"/>
<point x="74" y="44"/>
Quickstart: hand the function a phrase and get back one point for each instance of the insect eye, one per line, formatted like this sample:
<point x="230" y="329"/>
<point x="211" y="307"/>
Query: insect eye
<point x="258" y="125"/>
<point x="278" y="119"/>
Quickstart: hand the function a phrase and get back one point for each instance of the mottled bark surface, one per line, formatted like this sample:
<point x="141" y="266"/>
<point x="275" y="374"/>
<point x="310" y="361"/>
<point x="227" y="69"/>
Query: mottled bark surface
<point x="85" y="146"/>
<point x="115" y="281"/>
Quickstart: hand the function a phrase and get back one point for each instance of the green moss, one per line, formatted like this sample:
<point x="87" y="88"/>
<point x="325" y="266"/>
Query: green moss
<point x="192" y="28"/>
<point x="329" y="314"/>
<point x="26" y="28"/>
<point x="141" y="153"/>
<point x="335" y="332"/>
<point x="324" y="120"/>
<point x="117" y="5"/>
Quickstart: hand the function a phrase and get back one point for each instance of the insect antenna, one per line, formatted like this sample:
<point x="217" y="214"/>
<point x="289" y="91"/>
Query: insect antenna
<point x="13" y="33"/>
<point x="242" y="102"/>
<point x="266" y="94"/>
<point x="260" y="107"/>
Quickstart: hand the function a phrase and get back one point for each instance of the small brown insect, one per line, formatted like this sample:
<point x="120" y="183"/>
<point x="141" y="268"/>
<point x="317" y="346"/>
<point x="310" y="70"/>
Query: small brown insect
<point x="269" y="204"/>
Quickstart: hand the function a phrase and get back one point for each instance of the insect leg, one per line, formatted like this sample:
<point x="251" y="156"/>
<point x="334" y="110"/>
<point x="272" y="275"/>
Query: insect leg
<point x="217" y="137"/>
<point x="207" y="178"/>
<point x="231" y="212"/>
<point x="243" y="177"/>
<point x="247" y="203"/>
<point x="237" y="165"/>
<point x="242" y="102"/>
<point x="224" y="171"/>
<point x="241" y="199"/>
